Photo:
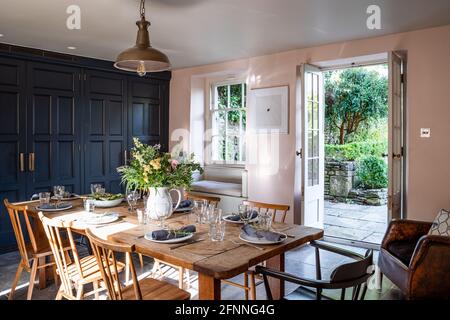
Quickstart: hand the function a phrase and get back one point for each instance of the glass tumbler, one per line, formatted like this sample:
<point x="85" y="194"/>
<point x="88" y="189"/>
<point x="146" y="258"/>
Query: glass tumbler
<point x="217" y="230"/>
<point x="44" y="198"/>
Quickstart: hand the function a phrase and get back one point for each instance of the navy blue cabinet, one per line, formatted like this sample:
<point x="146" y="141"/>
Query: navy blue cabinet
<point x="71" y="123"/>
<point x="12" y="141"/>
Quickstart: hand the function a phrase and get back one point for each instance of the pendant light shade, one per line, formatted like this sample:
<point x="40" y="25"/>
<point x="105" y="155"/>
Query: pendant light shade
<point x="142" y="58"/>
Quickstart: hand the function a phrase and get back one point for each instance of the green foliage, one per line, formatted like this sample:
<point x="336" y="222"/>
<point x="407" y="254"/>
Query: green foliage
<point x="356" y="150"/>
<point x="372" y="172"/>
<point x="150" y="168"/>
<point x="353" y="99"/>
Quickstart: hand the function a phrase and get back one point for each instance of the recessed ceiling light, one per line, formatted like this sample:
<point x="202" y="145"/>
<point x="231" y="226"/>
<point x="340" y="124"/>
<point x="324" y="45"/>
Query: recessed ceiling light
<point x="71" y="48"/>
<point x="1" y="35"/>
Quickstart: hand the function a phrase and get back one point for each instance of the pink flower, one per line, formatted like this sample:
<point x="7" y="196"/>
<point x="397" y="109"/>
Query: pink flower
<point x="174" y="163"/>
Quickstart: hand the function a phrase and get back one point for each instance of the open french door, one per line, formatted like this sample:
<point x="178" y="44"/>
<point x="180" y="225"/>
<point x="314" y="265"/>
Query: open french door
<point x="310" y="148"/>
<point x="396" y="159"/>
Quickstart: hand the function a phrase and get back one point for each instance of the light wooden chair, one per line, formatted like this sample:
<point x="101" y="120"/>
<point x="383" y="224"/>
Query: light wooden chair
<point x="279" y="213"/>
<point x="36" y="250"/>
<point x="77" y="274"/>
<point x="145" y="289"/>
<point x="182" y="272"/>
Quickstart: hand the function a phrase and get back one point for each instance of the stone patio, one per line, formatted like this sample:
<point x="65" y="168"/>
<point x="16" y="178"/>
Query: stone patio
<point x="355" y="222"/>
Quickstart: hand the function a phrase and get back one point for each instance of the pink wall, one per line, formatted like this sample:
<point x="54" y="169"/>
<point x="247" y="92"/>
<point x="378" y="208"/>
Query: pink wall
<point x="428" y="107"/>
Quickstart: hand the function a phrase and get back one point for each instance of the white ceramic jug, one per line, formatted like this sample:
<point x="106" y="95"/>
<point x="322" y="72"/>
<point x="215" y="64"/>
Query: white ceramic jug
<point x="160" y="203"/>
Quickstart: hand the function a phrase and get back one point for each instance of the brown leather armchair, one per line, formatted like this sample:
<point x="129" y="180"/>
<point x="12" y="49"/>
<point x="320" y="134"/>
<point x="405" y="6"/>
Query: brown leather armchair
<point x="418" y="263"/>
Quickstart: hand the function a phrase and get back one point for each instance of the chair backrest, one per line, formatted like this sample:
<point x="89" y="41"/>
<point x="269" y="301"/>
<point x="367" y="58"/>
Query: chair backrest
<point x="59" y="234"/>
<point x="210" y="199"/>
<point x="18" y="214"/>
<point x="276" y="209"/>
<point x="106" y="253"/>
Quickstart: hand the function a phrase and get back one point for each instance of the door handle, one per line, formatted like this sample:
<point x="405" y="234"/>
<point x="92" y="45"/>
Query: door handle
<point x="299" y="153"/>
<point x="396" y="156"/>
<point x="31" y="162"/>
<point x="21" y="162"/>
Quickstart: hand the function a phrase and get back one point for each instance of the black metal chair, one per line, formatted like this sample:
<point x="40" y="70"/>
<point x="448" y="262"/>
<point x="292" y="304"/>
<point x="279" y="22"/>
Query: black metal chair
<point x="349" y="275"/>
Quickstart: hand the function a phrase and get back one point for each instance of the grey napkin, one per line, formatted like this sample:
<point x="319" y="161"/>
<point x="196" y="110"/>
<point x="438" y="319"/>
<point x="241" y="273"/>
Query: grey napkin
<point x="183" y="204"/>
<point x="260" y="234"/>
<point x="161" y="235"/>
<point x="237" y="217"/>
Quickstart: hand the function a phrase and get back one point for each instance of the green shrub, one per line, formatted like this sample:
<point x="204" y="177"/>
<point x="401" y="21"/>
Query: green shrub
<point x="356" y="150"/>
<point x="372" y="172"/>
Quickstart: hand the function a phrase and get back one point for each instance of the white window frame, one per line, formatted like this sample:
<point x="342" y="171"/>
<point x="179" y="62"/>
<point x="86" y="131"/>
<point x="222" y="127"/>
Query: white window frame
<point x="211" y="85"/>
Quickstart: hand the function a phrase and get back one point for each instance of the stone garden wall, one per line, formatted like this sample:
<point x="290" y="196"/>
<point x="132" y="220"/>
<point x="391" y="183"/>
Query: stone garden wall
<point x="341" y="182"/>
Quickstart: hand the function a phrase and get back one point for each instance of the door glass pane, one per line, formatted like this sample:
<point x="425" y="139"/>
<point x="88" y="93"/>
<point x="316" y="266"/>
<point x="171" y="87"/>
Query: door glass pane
<point x="310" y="115"/>
<point x="315" y="86"/>
<point x="315" y="116"/>
<point x="316" y="172"/>
<point x="308" y="86"/>
<point x="310" y="172"/>
<point x="315" y="142"/>
<point x="244" y="121"/>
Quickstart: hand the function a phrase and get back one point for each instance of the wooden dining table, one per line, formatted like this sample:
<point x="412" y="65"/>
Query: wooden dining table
<point x="213" y="261"/>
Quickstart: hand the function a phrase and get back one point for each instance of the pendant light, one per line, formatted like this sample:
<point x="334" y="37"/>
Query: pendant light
<point x="142" y="58"/>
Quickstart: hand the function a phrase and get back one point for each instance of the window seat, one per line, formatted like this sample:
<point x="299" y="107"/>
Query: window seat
<point x="218" y="187"/>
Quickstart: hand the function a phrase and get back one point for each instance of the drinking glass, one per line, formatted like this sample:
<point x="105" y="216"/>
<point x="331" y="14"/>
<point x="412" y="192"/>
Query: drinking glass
<point x="214" y="214"/>
<point x="132" y="199"/>
<point x="265" y="220"/>
<point x="217" y="230"/>
<point x="44" y="198"/>
<point x="199" y="208"/>
<point x="59" y="192"/>
<point x="97" y="188"/>
<point x="142" y="217"/>
<point x="89" y="205"/>
<point x="245" y="212"/>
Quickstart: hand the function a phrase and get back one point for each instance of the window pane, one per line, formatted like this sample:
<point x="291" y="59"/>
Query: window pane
<point x="316" y="115"/>
<point x="315" y="148"/>
<point x="222" y="96"/>
<point x="310" y="115"/>
<point x="234" y="118"/>
<point x="236" y="96"/>
<point x="218" y="123"/>
<point x="316" y="172"/>
<point x="316" y="87"/>
<point x="243" y="149"/>
<point x="310" y="144"/>
<point x="308" y="86"/>
<point x="232" y="148"/>
<point x="218" y="148"/>
<point x="245" y="96"/>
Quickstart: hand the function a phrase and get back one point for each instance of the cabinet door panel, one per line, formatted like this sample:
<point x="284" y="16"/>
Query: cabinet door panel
<point x="53" y="113"/>
<point x="12" y="143"/>
<point x="148" y="111"/>
<point x="105" y="134"/>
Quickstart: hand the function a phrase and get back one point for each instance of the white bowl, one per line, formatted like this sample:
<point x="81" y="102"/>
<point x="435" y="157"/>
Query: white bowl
<point x="107" y="203"/>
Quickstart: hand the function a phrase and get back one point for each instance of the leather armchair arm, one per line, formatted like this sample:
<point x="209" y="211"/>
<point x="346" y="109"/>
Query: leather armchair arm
<point x="435" y="245"/>
<point x="405" y="230"/>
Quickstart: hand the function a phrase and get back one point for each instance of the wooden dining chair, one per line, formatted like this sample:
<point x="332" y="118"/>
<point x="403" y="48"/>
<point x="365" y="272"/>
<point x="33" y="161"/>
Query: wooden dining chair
<point x="145" y="289"/>
<point x="36" y="250"/>
<point x="76" y="274"/>
<point x="278" y="212"/>
<point x="182" y="272"/>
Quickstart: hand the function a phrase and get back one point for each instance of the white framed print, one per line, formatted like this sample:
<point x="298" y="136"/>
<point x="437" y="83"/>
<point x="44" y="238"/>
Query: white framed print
<point x="269" y="110"/>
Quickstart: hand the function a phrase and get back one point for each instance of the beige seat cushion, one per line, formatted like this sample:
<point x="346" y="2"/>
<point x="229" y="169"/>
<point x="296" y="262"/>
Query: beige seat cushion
<point x="217" y="187"/>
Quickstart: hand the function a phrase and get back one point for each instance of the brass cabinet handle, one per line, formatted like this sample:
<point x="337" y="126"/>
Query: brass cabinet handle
<point x="21" y="162"/>
<point x="31" y="162"/>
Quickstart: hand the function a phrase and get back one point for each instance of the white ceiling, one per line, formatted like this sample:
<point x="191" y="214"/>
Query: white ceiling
<point x="197" y="32"/>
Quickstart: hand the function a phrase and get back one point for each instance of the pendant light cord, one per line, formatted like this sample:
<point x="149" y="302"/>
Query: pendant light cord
<point x="142" y="9"/>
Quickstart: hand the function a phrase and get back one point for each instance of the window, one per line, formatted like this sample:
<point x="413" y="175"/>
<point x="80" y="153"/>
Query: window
<point x="229" y="122"/>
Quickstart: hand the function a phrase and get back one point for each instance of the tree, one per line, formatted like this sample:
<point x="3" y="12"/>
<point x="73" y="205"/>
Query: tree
<point x="354" y="97"/>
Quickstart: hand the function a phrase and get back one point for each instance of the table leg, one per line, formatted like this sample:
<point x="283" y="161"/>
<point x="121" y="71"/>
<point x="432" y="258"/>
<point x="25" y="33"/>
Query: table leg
<point x="209" y="287"/>
<point x="276" y="286"/>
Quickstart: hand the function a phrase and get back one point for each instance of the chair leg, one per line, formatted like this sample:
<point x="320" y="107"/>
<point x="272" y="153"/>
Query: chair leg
<point x="141" y="259"/>
<point x="127" y="269"/>
<point x="32" y="278"/>
<point x="343" y="294"/>
<point x="379" y="280"/>
<point x="363" y="294"/>
<point x="188" y="279"/>
<point x="180" y="277"/>
<point x="60" y="292"/>
<point x="16" y="280"/>
<point x="252" y="286"/>
<point x="246" y="285"/>
<point x="95" y="285"/>
<point x="55" y="275"/>
<point x="80" y="292"/>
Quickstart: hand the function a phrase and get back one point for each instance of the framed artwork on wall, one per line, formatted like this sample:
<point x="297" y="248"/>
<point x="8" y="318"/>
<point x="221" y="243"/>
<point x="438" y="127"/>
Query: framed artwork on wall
<point x="269" y="110"/>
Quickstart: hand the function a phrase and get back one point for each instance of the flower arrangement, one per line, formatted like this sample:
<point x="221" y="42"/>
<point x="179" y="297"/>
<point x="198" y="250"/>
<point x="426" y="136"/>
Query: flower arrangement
<point x="151" y="168"/>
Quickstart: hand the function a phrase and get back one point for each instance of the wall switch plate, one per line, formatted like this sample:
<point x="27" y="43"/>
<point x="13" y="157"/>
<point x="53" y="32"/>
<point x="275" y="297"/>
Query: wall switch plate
<point x="425" y="133"/>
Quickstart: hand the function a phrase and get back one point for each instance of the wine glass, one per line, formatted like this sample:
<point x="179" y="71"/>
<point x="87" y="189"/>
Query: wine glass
<point x="199" y="208"/>
<point x="58" y="192"/>
<point x="132" y="199"/>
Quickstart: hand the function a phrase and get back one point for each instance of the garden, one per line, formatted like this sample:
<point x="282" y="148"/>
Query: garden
<point x="356" y="128"/>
